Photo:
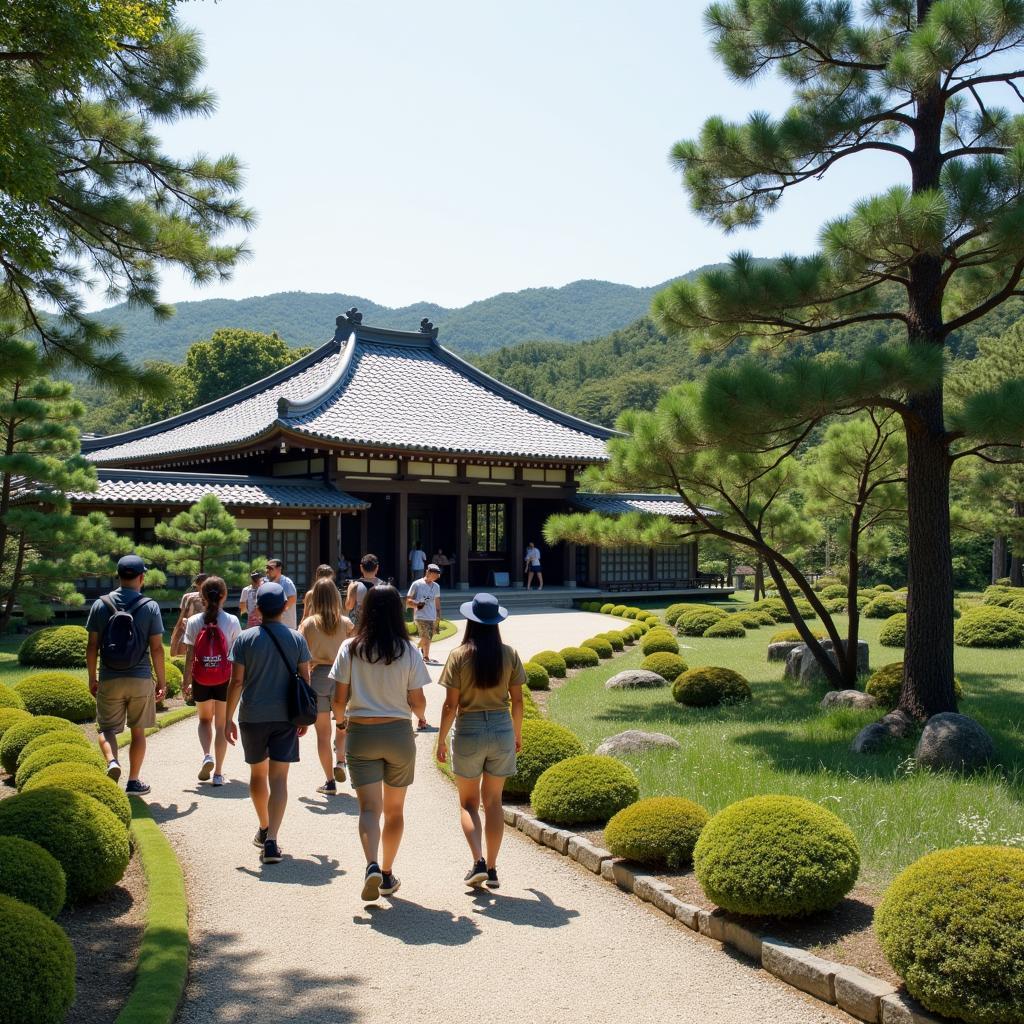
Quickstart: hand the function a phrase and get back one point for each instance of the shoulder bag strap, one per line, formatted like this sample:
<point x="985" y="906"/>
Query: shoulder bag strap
<point x="292" y="669"/>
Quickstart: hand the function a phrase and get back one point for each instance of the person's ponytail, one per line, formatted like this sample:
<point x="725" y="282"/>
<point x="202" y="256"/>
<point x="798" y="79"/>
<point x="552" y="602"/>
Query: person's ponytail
<point x="214" y="591"/>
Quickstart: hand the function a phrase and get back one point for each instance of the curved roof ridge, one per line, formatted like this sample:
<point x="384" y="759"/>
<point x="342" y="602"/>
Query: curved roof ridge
<point x="301" y="406"/>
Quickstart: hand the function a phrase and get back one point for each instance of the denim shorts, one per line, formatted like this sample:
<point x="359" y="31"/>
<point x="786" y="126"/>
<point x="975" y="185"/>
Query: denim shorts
<point x="484" y="741"/>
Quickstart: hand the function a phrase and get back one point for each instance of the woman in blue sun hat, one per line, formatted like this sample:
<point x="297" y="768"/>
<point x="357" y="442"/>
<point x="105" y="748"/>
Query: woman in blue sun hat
<point x="484" y="679"/>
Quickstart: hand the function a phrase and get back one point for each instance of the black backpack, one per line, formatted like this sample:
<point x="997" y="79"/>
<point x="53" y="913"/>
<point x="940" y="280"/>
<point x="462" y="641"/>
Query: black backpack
<point x="122" y="645"/>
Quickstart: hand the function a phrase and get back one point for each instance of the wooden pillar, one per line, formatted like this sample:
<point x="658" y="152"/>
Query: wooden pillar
<point x="402" y="539"/>
<point x="462" y="542"/>
<point x="333" y="522"/>
<point x="518" y="546"/>
<point x="570" y="564"/>
<point x="593" y="565"/>
<point x="364" y="538"/>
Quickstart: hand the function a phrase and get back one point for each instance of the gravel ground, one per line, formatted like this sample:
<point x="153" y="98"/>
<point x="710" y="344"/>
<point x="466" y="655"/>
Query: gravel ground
<point x="293" y="943"/>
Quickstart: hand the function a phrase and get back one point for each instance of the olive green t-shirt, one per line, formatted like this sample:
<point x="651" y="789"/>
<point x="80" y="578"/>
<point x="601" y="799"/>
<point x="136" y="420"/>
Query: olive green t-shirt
<point x="457" y="674"/>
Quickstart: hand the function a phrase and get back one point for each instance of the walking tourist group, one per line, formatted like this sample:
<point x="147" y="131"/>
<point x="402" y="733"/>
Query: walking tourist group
<point x="349" y="667"/>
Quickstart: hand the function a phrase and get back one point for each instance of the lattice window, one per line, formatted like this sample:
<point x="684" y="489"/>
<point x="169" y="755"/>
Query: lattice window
<point x="625" y="564"/>
<point x="673" y="563"/>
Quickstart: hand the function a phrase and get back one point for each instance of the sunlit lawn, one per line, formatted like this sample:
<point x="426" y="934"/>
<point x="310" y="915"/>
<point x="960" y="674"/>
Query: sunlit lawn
<point x="782" y="743"/>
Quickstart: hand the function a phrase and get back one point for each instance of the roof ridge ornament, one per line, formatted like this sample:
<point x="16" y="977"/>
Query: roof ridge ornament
<point x="351" y="317"/>
<point x="428" y="329"/>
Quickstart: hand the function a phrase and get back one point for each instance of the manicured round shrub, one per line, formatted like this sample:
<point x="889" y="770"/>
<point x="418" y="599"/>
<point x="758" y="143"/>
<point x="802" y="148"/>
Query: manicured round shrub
<point x="579" y="657"/>
<point x="87" y="839"/>
<point x="55" y="647"/>
<point x="83" y="778"/>
<point x="173" y="678"/>
<point x="536" y="676"/>
<point x="178" y="661"/>
<point x="19" y="734"/>
<point x="885" y="605"/>
<point x="59" y="753"/>
<point x="643" y="627"/>
<point x="727" y="628"/>
<point x="619" y="610"/>
<point x="39" y="966"/>
<point x="606" y="609"/>
<point x="780" y="613"/>
<point x="589" y="787"/>
<point x="834" y="605"/>
<point x="1000" y="596"/>
<point x="776" y="856"/>
<point x="659" y="640"/>
<point x="632" y="613"/>
<point x="61" y="694"/>
<point x="885" y="683"/>
<point x="530" y="709"/>
<point x="868" y="592"/>
<point x="674" y="611"/>
<point x="544" y="744"/>
<point x="989" y="627"/>
<point x="11" y="716"/>
<point x="792" y="636"/>
<point x="30" y="874"/>
<point x="660" y="831"/>
<point x="10" y="698"/>
<point x="552" y="662"/>
<point x="599" y="645"/>
<point x="668" y="666"/>
<point x="708" y="686"/>
<point x="653" y="621"/>
<point x="894" y="631"/>
<point x="950" y="925"/>
<point x="884" y="588"/>
<point x="58" y="737"/>
<point x="752" y="620"/>
<point x="835" y="590"/>
<point x="827" y="581"/>
<point x="695" y="623"/>
<point x="615" y="639"/>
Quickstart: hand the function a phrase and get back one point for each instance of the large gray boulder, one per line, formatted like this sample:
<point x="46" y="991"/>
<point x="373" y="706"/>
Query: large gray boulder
<point x="847" y="699"/>
<point x="803" y="666"/>
<point x="954" y="742"/>
<point x="635" y="679"/>
<point x="780" y="651"/>
<point x="880" y="735"/>
<point x="635" y="741"/>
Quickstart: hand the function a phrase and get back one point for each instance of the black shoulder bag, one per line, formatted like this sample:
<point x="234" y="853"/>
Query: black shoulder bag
<point x="301" y="696"/>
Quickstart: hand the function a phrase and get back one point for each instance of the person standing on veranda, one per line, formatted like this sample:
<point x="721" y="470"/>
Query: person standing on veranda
<point x="325" y="629"/>
<point x="262" y="675"/>
<point x="484" y="680"/>
<point x="209" y="637"/>
<point x="533" y="566"/>
<point x="417" y="561"/>
<point x="380" y="678"/>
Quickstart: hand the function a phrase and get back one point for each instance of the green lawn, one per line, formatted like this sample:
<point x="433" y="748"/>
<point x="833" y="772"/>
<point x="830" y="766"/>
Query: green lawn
<point x="782" y="743"/>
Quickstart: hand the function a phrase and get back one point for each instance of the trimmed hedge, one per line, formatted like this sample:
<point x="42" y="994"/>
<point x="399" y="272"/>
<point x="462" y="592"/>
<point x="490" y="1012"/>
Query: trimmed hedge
<point x="776" y="607"/>
<point x="776" y="856"/>
<point x="536" y="676"/>
<point x="827" y="581"/>
<point x="552" y="662"/>
<point x="989" y="627"/>
<point x="884" y="588"/>
<point x="87" y="839"/>
<point x="83" y="778"/>
<point x="19" y="734"/>
<point x="619" y="610"/>
<point x="606" y="609"/>
<point x="653" y="621"/>
<point x="659" y="640"/>
<point x="791" y="636"/>
<point x="885" y="605"/>
<point x="579" y="657"/>
<point x="61" y="694"/>
<point x="834" y="605"/>
<point x="600" y="646"/>
<point x="885" y="685"/>
<point x="834" y="590"/>
<point x="530" y="709"/>
<point x="1000" y="596"/>
<point x="660" y="831"/>
<point x="668" y="666"/>
<point x="590" y="787"/>
<point x="55" y="647"/>
<point x="58" y="737"/>
<point x="752" y="620"/>
<point x="10" y="717"/>
<point x="950" y="925"/>
<point x="695" y="623"/>
<point x="708" y="686"/>
<point x="10" y="698"/>
<point x="617" y="640"/>
<point x="39" y="966"/>
<point x="894" y="631"/>
<point x="31" y="874"/>
<point x="727" y="628"/>
<point x="59" y="753"/>
<point x="544" y="744"/>
<point x="173" y="678"/>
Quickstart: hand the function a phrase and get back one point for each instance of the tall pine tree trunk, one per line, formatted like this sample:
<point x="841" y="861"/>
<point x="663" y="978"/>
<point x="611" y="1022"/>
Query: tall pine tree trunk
<point x="999" y="555"/>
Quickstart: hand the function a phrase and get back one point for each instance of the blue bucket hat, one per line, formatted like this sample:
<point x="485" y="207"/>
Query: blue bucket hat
<point x="484" y="608"/>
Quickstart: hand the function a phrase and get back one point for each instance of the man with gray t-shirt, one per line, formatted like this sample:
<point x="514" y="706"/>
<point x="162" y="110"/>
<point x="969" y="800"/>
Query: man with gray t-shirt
<point x="424" y="598"/>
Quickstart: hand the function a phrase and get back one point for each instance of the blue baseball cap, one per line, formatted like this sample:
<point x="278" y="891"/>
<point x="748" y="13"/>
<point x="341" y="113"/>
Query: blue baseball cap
<point x="270" y="598"/>
<point x="130" y="565"/>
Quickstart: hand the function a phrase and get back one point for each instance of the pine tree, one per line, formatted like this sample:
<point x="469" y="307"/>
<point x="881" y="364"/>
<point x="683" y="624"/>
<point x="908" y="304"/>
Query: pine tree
<point x="922" y="81"/>
<point x="203" y="538"/>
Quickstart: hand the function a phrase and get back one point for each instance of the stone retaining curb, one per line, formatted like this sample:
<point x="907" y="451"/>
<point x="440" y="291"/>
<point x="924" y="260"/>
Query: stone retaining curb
<point x="864" y="997"/>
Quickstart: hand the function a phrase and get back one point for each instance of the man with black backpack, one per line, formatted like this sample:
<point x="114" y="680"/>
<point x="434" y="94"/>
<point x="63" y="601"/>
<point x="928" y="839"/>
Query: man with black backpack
<point x="125" y="633"/>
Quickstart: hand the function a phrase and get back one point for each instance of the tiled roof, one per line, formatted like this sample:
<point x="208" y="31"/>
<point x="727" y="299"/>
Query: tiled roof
<point x="378" y="388"/>
<point x="144" y="487"/>
<point x="652" y="504"/>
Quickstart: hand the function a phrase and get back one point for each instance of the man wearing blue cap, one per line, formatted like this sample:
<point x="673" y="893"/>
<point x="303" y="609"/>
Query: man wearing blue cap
<point x="125" y="634"/>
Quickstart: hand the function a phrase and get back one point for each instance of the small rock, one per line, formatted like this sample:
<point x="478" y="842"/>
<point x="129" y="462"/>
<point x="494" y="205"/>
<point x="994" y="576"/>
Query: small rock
<point x="847" y="699"/>
<point x="635" y="679"/>
<point x="802" y="665"/>
<point x="878" y="736"/>
<point x="955" y="742"/>
<point x="899" y="724"/>
<point x="780" y="651"/>
<point x="635" y="741"/>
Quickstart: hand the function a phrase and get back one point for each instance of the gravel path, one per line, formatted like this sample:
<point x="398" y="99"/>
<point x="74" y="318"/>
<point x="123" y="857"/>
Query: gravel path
<point x="293" y="943"/>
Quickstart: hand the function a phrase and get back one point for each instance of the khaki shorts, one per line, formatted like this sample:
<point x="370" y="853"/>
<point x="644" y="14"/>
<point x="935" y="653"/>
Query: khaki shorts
<point x="124" y="701"/>
<point x="381" y="753"/>
<point x="425" y="628"/>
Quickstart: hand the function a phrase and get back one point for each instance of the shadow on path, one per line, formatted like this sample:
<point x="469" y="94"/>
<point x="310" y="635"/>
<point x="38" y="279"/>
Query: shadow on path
<point x="343" y="803"/>
<point x="320" y="870"/>
<point x="418" y="926"/>
<point x="169" y="812"/>
<point x="541" y="912"/>
<point x="233" y="790"/>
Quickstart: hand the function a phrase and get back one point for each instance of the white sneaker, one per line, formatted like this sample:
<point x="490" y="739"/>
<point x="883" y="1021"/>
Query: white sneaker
<point x="206" y="770"/>
<point x="113" y="770"/>
<point x="218" y="780"/>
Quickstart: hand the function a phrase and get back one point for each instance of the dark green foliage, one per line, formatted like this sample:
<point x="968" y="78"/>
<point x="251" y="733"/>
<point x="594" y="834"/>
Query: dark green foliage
<point x="58" y="753"/>
<point x="989" y="627"/>
<point x="544" y="744"/>
<point x="668" y="666"/>
<point x="885" y="683"/>
<point x="659" y="640"/>
<point x="660" y="831"/>
<point x="587" y="788"/>
<point x="19" y="734"/>
<point x="776" y="856"/>
<point x="55" y="647"/>
<point x="727" y="628"/>
<point x="30" y="874"/>
<point x="883" y="606"/>
<point x="87" y="839"/>
<point x="83" y="778"/>
<point x="553" y="662"/>
<point x="696" y="622"/>
<point x="536" y="676"/>
<point x="39" y="966"/>
<point x="1001" y="597"/>
<point x="579" y="657"/>
<point x="61" y="694"/>
<point x="599" y="645"/>
<point x="10" y="698"/>
<point x="58" y="737"/>
<point x="894" y="632"/>
<point x="707" y="687"/>
<point x="950" y="925"/>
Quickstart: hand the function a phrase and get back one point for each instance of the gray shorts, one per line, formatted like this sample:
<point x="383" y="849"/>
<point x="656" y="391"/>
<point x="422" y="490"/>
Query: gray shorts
<point x="381" y="753"/>
<point x="484" y="741"/>
<point x="278" y="741"/>
<point x="323" y="686"/>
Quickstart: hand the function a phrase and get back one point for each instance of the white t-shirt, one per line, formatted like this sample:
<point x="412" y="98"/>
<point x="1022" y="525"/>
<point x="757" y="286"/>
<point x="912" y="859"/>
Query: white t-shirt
<point x="421" y="590"/>
<point x="417" y="560"/>
<point x="289" y="617"/>
<point x="533" y="556"/>
<point x="229" y="626"/>
<point x="247" y="600"/>
<point x="379" y="690"/>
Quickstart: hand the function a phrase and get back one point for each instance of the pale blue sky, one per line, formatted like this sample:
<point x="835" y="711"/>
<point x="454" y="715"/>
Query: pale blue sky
<point x="448" y="151"/>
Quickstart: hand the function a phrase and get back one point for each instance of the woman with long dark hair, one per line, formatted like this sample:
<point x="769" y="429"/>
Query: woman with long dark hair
<point x="209" y="636"/>
<point x="485" y="680"/>
<point x="380" y="678"/>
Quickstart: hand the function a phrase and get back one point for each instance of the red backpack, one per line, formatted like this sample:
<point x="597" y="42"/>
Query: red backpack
<point x="210" y="664"/>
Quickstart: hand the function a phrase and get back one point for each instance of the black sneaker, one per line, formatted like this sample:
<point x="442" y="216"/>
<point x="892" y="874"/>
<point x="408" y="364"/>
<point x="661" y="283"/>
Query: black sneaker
<point x="390" y="884"/>
<point x="492" y="879"/>
<point x="372" y="882"/>
<point x="329" y="788"/>
<point x="136" y="787"/>
<point x="271" y="852"/>
<point x="477" y="874"/>
<point x="260" y="838"/>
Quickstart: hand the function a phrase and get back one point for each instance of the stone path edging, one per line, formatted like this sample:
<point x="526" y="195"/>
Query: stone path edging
<point x="861" y="995"/>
